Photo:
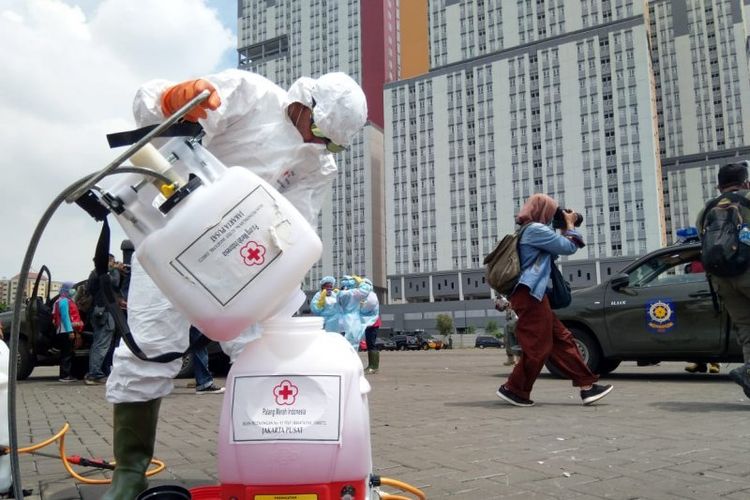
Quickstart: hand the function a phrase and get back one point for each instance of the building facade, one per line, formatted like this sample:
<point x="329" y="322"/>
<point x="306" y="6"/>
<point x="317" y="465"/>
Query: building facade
<point x="284" y="40"/>
<point x="702" y="93"/>
<point x="622" y="110"/>
<point x="555" y="102"/>
<point x="9" y="288"/>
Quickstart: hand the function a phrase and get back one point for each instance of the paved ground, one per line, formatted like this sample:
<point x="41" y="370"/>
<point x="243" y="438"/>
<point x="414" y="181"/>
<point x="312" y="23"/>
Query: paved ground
<point x="437" y="424"/>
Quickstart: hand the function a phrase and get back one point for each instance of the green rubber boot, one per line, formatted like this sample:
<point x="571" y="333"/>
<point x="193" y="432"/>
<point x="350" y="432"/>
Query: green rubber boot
<point x="134" y="438"/>
<point x="373" y="361"/>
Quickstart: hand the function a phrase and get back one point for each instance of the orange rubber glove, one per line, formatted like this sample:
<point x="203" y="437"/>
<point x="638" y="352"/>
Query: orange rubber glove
<point x="178" y="95"/>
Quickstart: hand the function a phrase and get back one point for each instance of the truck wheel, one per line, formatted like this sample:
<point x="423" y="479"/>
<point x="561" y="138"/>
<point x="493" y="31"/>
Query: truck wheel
<point x="607" y="366"/>
<point x="25" y="360"/>
<point x="589" y="349"/>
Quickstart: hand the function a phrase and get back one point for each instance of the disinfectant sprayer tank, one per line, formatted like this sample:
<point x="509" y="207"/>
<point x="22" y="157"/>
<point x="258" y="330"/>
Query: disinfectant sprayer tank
<point x="296" y="413"/>
<point x="224" y="246"/>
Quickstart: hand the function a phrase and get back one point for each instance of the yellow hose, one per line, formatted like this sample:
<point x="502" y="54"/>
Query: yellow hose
<point x="160" y="466"/>
<point x="403" y="487"/>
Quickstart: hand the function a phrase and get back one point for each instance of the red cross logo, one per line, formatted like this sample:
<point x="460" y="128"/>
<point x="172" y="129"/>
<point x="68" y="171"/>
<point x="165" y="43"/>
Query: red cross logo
<point x="253" y="253"/>
<point x="285" y="393"/>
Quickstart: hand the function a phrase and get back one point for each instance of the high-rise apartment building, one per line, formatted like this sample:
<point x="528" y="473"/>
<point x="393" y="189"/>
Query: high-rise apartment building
<point x="523" y="97"/>
<point x="702" y="91"/>
<point x="620" y="109"/>
<point x="283" y="40"/>
<point x="9" y="288"/>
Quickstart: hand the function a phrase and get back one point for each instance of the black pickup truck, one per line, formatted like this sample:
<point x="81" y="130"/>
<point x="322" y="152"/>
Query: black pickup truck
<point x="37" y="347"/>
<point x="658" y="308"/>
<point x="408" y="341"/>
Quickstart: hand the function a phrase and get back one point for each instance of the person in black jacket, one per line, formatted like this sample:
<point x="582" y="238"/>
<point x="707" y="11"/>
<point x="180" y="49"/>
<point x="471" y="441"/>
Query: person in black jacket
<point x="103" y="324"/>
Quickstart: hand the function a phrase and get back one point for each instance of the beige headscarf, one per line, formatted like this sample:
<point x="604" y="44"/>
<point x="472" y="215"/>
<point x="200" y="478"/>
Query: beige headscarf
<point x="538" y="208"/>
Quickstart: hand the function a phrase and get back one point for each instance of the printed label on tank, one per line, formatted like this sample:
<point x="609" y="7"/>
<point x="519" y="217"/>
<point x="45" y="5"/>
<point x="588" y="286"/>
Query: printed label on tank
<point x="286" y="408"/>
<point x="227" y="257"/>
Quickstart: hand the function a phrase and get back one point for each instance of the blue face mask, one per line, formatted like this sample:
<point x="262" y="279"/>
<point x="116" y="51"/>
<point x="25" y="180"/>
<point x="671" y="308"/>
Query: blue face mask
<point x="365" y="287"/>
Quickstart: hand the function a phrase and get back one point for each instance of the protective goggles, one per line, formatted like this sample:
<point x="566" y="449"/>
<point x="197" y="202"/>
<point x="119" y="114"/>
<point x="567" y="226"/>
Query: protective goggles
<point x="331" y="146"/>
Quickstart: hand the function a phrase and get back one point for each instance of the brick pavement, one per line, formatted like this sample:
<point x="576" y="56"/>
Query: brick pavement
<point x="437" y="424"/>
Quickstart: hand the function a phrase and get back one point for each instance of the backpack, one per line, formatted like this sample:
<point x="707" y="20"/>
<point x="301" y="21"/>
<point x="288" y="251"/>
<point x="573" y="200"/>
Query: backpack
<point x="83" y="299"/>
<point x="504" y="263"/>
<point x="722" y="252"/>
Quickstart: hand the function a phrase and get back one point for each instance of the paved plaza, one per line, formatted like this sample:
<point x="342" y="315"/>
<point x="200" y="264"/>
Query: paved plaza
<point x="437" y="424"/>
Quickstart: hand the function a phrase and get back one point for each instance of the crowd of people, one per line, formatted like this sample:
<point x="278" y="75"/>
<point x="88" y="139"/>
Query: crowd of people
<point x="77" y="308"/>
<point x="86" y="306"/>
<point x="351" y="309"/>
<point x="318" y="118"/>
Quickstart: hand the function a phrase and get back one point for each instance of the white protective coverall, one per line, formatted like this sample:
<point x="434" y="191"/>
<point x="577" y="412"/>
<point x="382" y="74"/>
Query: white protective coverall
<point x="250" y="129"/>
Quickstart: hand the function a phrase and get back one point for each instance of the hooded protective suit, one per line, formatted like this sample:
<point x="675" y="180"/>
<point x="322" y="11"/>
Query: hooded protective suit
<point x="250" y="129"/>
<point x="324" y="304"/>
<point x="350" y="300"/>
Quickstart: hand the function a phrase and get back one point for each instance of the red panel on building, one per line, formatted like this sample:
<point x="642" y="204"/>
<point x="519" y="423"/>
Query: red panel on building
<point x="379" y="53"/>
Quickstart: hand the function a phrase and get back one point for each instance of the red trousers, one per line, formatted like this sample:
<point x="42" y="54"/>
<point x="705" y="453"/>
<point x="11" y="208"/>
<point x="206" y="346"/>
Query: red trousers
<point x="542" y="336"/>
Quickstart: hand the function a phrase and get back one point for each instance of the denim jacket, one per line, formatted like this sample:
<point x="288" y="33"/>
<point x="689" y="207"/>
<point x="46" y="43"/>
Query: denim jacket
<point x="539" y="245"/>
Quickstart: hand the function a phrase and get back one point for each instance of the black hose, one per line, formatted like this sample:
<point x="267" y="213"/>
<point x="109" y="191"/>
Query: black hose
<point x="16" y="323"/>
<point x="70" y="194"/>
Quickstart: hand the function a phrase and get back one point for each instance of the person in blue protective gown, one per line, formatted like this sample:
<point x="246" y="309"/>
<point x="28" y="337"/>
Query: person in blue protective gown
<point x="349" y="298"/>
<point x="324" y="304"/>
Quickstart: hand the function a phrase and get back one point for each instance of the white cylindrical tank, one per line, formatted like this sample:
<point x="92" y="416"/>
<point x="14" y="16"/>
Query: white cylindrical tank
<point x="5" y="472"/>
<point x="227" y="249"/>
<point x="295" y="410"/>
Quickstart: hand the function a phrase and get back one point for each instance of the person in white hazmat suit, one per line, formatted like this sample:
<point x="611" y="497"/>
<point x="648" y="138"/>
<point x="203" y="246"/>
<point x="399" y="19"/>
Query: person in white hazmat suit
<point x="286" y="138"/>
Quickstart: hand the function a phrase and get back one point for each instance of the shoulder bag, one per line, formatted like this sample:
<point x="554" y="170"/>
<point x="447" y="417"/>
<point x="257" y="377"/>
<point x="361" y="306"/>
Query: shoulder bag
<point x="559" y="296"/>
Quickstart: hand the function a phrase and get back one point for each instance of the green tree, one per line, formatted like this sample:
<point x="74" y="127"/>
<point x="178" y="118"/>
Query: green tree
<point x="491" y="328"/>
<point x="471" y="330"/>
<point x="444" y="325"/>
<point x="3" y="307"/>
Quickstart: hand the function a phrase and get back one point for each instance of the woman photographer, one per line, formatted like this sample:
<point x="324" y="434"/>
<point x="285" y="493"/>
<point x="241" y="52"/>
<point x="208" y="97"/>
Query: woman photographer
<point x="540" y="334"/>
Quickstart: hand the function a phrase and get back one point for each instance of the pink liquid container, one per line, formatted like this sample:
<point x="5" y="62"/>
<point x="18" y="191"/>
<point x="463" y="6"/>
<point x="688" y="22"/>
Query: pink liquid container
<point x="295" y="410"/>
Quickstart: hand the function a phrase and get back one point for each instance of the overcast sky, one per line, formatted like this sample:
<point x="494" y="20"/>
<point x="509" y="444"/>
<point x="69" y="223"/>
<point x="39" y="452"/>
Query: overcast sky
<point x="69" y="70"/>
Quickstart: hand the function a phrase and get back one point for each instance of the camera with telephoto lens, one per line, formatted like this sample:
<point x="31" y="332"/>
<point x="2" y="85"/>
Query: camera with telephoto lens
<point x="558" y="220"/>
